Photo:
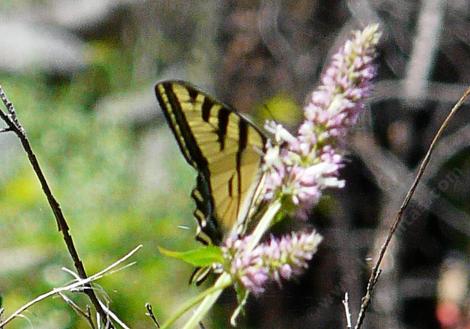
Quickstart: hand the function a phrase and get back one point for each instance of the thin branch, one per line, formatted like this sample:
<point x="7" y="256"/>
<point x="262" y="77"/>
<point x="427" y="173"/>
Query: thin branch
<point x="10" y="108"/>
<point x="14" y="125"/>
<point x="346" y="311"/>
<point x="86" y="314"/>
<point x="81" y="284"/>
<point x="113" y="316"/>
<point x="376" y="269"/>
<point x="150" y="314"/>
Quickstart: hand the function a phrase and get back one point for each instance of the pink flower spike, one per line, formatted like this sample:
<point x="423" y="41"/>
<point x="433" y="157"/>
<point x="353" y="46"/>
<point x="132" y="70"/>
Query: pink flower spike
<point x="271" y="261"/>
<point x="298" y="168"/>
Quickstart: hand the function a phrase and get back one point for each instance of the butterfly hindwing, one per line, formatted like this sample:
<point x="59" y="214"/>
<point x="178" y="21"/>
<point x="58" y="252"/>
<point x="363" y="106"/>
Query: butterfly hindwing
<point x="225" y="149"/>
<point x="207" y="230"/>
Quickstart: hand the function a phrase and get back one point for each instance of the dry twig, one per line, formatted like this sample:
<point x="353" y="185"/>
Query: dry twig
<point x="84" y="313"/>
<point x="376" y="269"/>
<point x="14" y="125"/>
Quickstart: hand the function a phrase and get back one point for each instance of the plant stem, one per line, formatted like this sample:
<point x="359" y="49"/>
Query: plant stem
<point x="210" y="294"/>
<point x="264" y="224"/>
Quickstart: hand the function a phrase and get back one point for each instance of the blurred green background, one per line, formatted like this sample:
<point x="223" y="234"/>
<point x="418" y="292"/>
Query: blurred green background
<point x="94" y="168"/>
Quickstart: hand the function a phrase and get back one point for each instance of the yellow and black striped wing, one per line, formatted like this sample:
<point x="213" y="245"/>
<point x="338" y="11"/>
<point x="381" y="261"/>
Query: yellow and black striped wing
<point x="224" y="147"/>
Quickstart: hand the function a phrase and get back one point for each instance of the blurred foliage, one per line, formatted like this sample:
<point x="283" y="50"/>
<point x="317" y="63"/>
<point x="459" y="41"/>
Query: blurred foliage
<point x="90" y="165"/>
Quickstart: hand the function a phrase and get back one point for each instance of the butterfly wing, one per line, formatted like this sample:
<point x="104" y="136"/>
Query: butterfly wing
<point x="226" y="150"/>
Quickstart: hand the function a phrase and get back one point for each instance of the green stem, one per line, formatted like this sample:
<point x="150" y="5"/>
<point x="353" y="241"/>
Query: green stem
<point x="241" y="305"/>
<point x="210" y="296"/>
<point x="264" y="224"/>
<point x="216" y="289"/>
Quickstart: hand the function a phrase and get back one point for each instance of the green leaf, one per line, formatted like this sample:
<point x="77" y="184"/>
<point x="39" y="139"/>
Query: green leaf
<point x="200" y="257"/>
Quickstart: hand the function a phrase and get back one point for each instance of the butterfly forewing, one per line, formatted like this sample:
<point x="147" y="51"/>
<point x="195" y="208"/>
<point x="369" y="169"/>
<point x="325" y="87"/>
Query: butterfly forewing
<point x="226" y="150"/>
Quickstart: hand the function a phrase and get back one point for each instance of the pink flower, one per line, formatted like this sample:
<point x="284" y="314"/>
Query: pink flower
<point x="271" y="261"/>
<point x="300" y="167"/>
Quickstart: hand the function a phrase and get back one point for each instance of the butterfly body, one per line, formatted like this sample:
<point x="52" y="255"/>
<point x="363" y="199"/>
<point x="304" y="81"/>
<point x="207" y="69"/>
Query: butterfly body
<point x="225" y="148"/>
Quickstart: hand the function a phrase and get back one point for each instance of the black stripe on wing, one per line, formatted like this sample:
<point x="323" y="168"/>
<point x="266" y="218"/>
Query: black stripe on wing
<point x="242" y="142"/>
<point x="202" y="194"/>
<point x="222" y="122"/>
<point x="176" y="112"/>
<point x="180" y="127"/>
<point x="204" y="214"/>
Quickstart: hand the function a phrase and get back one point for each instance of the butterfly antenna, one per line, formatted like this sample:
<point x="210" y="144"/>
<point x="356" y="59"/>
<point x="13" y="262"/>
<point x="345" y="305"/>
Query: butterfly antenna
<point x="269" y="112"/>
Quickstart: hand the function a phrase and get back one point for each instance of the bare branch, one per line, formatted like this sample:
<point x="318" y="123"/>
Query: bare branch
<point x="86" y="314"/>
<point x="10" y="108"/>
<point x="14" y="125"/>
<point x="376" y="269"/>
